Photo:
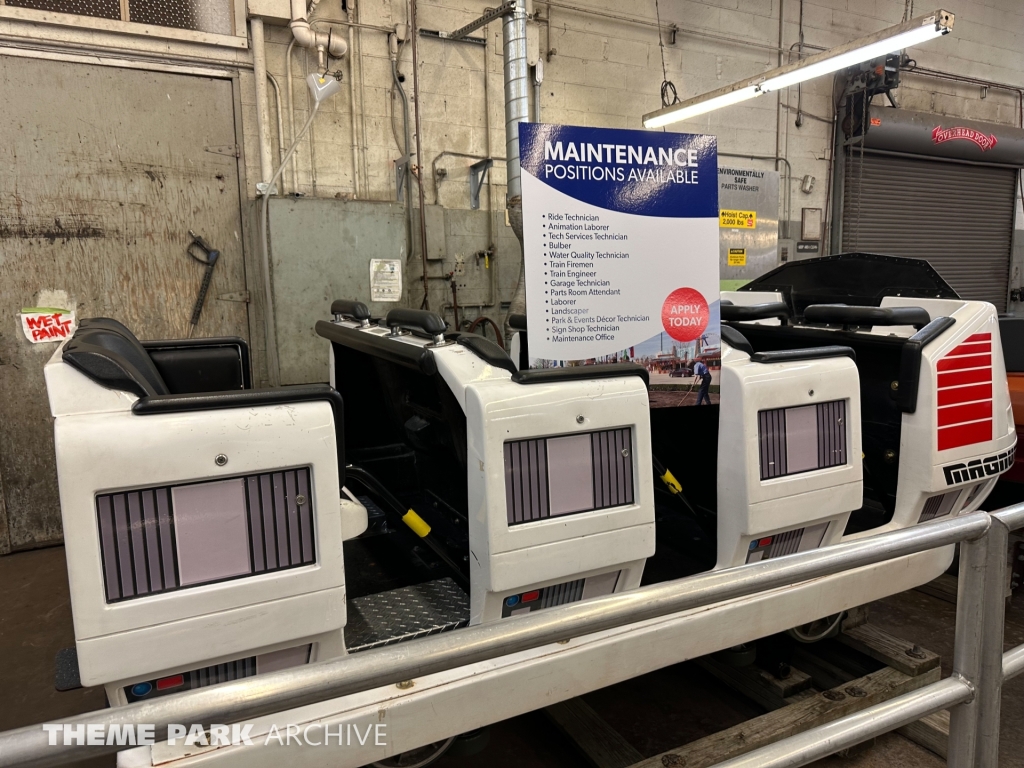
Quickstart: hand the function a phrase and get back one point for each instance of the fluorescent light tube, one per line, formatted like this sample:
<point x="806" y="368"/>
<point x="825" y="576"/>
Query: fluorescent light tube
<point x="693" y="107"/>
<point x="904" y="35"/>
<point x="850" y="58"/>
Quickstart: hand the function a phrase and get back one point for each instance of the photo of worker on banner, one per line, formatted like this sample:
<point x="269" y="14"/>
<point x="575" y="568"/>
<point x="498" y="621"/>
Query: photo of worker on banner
<point x="620" y="241"/>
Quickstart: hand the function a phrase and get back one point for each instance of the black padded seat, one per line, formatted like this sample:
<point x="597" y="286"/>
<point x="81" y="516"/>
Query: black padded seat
<point x="110" y="354"/>
<point x="160" y="367"/>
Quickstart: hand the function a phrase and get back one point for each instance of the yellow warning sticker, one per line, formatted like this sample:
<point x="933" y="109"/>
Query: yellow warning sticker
<point x="737" y="219"/>
<point x="737" y="257"/>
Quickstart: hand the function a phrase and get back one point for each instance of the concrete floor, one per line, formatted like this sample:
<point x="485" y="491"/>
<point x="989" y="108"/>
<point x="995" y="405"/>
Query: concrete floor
<point x="654" y="713"/>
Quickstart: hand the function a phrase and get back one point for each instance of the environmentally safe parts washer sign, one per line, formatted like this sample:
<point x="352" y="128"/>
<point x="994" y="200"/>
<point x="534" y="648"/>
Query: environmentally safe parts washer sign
<point x="620" y="236"/>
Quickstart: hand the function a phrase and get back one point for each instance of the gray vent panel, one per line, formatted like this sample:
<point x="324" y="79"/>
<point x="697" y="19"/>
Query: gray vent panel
<point x="137" y="543"/>
<point x="831" y="437"/>
<point x="527" y="495"/>
<point x="939" y="506"/>
<point x="772" y="438"/>
<point x="561" y="594"/>
<point x="831" y="434"/>
<point x="613" y="471"/>
<point x="139" y="551"/>
<point x="280" y="529"/>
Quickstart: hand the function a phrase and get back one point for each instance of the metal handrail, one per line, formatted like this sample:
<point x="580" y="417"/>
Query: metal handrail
<point x="278" y="691"/>
<point x="1013" y="662"/>
<point x="840" y="734"/>
<point x="972" y="693"/>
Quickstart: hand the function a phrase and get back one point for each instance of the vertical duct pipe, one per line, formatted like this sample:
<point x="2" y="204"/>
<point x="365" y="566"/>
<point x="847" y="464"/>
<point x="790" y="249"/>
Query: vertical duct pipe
<point x="517" y="94"/>
<point x="517" y="110"/>
<point x="259" y="65"/>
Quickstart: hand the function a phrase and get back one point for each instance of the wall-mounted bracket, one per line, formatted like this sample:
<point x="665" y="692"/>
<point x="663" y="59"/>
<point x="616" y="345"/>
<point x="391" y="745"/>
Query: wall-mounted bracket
<point x="241" y="296"/>
<point x="230" y="150"/>
<point x="492" y="14"/>
<point x="437" y="35"/>
<point x="477" y="175"/>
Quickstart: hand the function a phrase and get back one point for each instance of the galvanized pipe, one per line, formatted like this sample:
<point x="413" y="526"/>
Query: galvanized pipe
<point x="274" y="692"/>
<point x="967" y="650"/>
<point x="517" y="91"/>
<point x="991" y="664"/>
<point x="1011" y="517"/>
<point x="259" y="67"/>
<point x="280" y="116"/>
<point x="989" y="684"/>
<point x="828" y="739"/>
<point x="517" y="110"/>
<point x="1013" y="662"/>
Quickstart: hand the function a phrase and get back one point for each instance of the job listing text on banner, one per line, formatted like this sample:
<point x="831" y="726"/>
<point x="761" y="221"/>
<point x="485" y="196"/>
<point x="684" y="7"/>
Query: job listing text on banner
<point x="620" y="241"/>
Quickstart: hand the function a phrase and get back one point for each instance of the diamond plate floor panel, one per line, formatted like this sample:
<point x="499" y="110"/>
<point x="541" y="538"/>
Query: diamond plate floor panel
<point x="406" y="613"/>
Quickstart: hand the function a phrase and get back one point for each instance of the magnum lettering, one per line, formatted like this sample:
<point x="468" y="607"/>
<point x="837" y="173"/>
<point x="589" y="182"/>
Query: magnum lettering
<point x="979" y="469"/>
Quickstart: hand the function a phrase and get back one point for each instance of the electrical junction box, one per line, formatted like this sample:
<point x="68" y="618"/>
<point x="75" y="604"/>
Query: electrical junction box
<point x="271" y="11"/>
<point x="532" y="43"/>
<point x="748" y="224"/>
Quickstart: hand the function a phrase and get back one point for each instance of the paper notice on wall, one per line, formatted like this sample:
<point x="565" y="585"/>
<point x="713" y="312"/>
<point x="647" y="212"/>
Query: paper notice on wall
<point x="385" y="280"/>
<point x="41" y="324"/>
<point x="620" y="234"/>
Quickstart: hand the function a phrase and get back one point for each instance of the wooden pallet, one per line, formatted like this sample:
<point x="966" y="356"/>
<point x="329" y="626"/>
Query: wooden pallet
<point x="861" y="667"/>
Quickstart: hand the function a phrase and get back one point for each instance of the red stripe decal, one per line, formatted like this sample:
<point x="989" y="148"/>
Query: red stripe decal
<point x="958" y="414"/>
<point x="979" y="337"/>
<point x="965" y="394"/>
<point x="971" y="349"/>
<point x="965" y="434"/>
<point x="958" y="378"/>
<point x="972" y="361"/>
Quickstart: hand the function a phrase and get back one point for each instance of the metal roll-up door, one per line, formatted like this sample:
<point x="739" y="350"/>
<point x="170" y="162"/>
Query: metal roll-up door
<point x="958" y="216"/>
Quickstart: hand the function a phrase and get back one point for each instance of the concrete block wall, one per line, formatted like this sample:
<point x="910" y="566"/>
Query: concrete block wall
<point x="601" y="71"/>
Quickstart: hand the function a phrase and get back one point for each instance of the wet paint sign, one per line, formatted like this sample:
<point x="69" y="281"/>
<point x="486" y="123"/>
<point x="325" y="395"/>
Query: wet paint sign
<point x="42" y="324"/>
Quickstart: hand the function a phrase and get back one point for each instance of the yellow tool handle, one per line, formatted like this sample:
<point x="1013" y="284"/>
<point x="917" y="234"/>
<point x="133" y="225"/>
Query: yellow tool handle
<point x="416" y="523"/>
<point x="669" y="480"/>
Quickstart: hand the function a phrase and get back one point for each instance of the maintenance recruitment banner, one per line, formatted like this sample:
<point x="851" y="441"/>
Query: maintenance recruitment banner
<point x="620" y="238"/>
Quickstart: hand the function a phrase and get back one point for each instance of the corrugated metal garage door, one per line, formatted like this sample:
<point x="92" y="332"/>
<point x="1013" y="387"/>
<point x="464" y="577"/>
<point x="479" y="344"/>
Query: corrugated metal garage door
<point x="957" y="216"/>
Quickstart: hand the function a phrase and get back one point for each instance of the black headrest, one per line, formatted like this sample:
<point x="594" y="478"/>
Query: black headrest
<point x="354" y="309"/>
<point x="736" y="340"/>
<point x="770" y="309"/>
<point x="487" y="351"/>
<point x="109" y="354"/>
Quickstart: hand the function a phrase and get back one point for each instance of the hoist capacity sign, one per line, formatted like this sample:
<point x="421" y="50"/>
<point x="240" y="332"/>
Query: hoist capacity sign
<point x="737" y="219"/>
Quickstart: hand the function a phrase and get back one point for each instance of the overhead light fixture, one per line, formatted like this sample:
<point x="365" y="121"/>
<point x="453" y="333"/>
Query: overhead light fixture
<point x="723" y="97"/>
<point x="904" y="35"/>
